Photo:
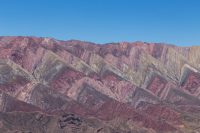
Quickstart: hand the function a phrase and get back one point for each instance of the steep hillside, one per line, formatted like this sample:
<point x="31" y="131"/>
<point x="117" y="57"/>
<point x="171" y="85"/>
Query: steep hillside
<point x="53" y="86"/>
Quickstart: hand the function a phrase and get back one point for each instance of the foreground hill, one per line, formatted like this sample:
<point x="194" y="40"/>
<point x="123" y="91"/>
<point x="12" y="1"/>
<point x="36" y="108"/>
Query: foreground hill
<point x="52" y="86"/>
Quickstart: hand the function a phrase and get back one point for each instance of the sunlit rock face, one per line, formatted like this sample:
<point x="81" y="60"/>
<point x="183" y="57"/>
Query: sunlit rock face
<point x="53" y="86"/>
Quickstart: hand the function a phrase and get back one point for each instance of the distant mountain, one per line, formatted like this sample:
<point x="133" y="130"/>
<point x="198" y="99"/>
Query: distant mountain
<point x="53" y="86"/>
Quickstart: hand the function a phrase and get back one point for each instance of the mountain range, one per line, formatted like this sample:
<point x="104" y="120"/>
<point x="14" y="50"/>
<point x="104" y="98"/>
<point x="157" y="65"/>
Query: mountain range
<point x="54" y="86"/>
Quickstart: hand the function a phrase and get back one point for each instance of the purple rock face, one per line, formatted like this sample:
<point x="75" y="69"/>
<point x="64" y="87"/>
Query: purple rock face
<point x="52" y="86"/>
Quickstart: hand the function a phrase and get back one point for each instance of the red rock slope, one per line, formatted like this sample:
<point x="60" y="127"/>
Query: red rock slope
<point x="53" y="86"/>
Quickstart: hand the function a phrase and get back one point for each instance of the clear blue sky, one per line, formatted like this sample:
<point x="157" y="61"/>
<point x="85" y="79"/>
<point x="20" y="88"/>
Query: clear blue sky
<point x="171" y="21"/>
